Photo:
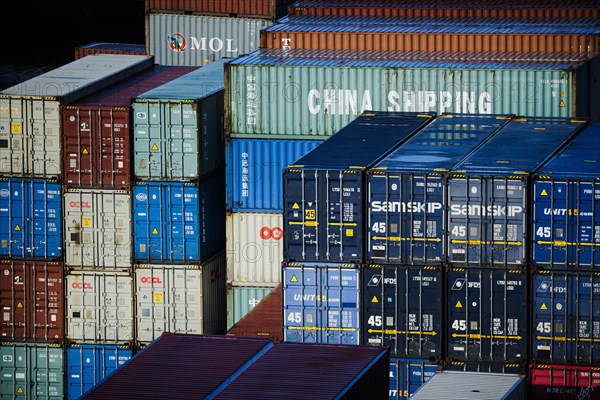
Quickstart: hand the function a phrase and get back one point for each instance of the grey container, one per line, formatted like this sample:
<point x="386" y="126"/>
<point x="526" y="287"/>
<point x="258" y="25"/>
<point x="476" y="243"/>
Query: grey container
<point x="472" y="386"/>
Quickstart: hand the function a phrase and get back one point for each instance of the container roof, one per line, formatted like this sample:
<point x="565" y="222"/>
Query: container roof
<point x="471" y="386"/>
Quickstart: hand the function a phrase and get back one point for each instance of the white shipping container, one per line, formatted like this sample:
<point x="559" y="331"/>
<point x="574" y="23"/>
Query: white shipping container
<point x="254" y="249"/>
<point x="188" y="299"/>
<point x="97" y="226"/>
<point x="99" y="307"/>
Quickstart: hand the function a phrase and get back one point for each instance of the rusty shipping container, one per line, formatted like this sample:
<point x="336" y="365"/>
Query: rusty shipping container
<point x="265" y="320"/>
<point x="109" y="48"/>
<point x="32" y="301"/>
<point x="267" y="9"/>
<point x="463" y="36"/>
<point x="96" y="140"/>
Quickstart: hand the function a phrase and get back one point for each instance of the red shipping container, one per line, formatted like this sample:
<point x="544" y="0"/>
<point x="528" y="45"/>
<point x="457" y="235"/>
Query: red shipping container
<point x="32" y="301"/>
<point x="265" y="9"/>
<point x="109" y="48"/>
<point x="563" y="382"/>
<point x="96" y="131"/>
<point x="264" y="321"/>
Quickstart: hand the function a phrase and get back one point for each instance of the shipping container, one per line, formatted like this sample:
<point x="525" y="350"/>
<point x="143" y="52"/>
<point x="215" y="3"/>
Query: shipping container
<point x="566" y="206"/>
<point x="241" y="300"/>
<point x="263" y="321"/>
<point x="30" y="219"/>
<point x="180" y="299"/>
<point x="97" y="226"/>
<point x="32" y="300"/>
<point x="266" y="9"/>
<point x="406" y="191"/>
<point x="88" y="364"/>
<point x="487" y="318"/>
<point x="312" y="94"/>
<point x="489" y="192"/>
<point x="407" y="375"/>
<point x="109" y="48"/>
<point x="248" y="368"/>
<point x="323" y="190"/>
<point x="321" y="303"/>
<point x="497" y="367"/>
<point x="179" y="39"/>
<point x="254" y="168"/>
<point x="563" y="382"/>
<point x="403" y="309"/>
<point x="254" y="249"/>
<point x="31" y="371"/>
<point x="96" y="131"/>
<point x="99" y="307"/>
<point x="566" y="318"/>
<point x="178" y="127"/>
<point x="30" y="120"/>
<point x="473" y="385"/>
<point x="179" y="222"/>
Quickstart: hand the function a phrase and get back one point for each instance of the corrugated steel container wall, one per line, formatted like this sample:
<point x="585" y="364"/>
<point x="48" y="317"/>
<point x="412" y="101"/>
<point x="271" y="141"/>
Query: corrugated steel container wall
<point x="88" y="364"/>
<point x="406" y="191"/>
<point x="566" y="206"/>
<point x="99" y="307"/>
<point x="487" y="316"/>
<point x="254" y="249"/>
<point x="180" y="299"/>
<point x="30" y="216"/>
<point x="264" y="321"/>
<point x="97" y="229"/>
<point x="254" y="168"/>
<point x="321" y="303"/>
<point x="317" y="96"/>
<point x="409" y="374"/>
<point x="496" y="367"/>
<point x="566" y="318"/>
<point x="489" y="193"/>
<point x="178" y="39"/>
<point x="267" y="9"/>
<point x="242" y="299"/>
<point x="31" y="371"/>
<point x="550" y="382"/>
<point x="179" y="222"/>
<point x="473" y="385"/>
<point x="30" y="121"/>
<point x="32" y="300"/>
<point x="402" y="309"/>
<point x="109" y="48"/>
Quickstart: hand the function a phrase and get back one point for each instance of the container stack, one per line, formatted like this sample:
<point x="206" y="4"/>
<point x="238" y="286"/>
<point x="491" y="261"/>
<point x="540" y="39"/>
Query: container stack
<point x="32" y="283"/>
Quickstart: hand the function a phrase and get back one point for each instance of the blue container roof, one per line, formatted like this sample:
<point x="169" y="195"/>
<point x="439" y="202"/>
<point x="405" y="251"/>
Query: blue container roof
<point x="579" y="159"/>
<point x="442" y="143"/>
<point x="197" y="84"/>
<point x="521" y="146"/>
<point x="364" y="141"/>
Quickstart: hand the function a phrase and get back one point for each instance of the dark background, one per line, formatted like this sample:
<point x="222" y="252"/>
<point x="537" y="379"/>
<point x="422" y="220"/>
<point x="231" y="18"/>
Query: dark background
<point x="43" y="34"/>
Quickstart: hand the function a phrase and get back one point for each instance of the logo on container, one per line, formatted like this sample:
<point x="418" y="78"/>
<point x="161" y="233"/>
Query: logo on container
<point x="267" y="233"/>
<point x="4" y="193"/>
<point x="141" y="197"/>
<point x="178" y="43"/>
<point x="462" y="282"/>
<point x="81" y="285"/>
<point x="150" y="279"/>
<point x="79" y="204"/>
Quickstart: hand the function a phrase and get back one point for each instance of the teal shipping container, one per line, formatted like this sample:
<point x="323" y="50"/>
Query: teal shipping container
<point x="241" y="300"/>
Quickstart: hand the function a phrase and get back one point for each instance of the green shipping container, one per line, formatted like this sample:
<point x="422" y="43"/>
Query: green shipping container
<point x="311" y="95"/>
<point x="242" y="299"/>
<point x="31" y="371"/>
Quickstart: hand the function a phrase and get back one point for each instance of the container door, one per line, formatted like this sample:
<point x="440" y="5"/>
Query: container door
<point x="147" y="139"/>
<point x="79" y="146"/>
<point x="113" y="148"/>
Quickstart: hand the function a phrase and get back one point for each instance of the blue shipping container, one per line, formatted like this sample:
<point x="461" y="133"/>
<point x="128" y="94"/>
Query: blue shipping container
<point x="566" y="318"/>
<point x="321" y="303"/>
<point x="178" y="222"/>
<point x="403" y="309"/>
<point x="323" y="192"/>
<point x="30" y="219"/>
<point x="407" y="190"/>
<point x="566" y="206"/>
<point x="89" y="364"/>
<point x="488" y="194"/>
<point x="407" y="375"/>
<point x="254" y="168"/>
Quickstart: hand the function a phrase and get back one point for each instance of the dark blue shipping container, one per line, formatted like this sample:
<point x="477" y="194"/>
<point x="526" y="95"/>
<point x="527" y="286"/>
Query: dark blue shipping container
<point x="403" y="309"/>
<point x="88" y="364"/>
<point x="321" y="303"/>
<point x="254" y="168"/>
<point x="488" y="194"/>
<point x="407" y="191"/>
<point x="566" y="206"/>
<point x="487" y="318"/>
<point x="323" y="192"/>
<point x="177" y="222"/>
<point x="499" y="367"/>
<point x="566" y="318"/>
<point x="30" y="219"/>
<point x="407" y="375"/>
